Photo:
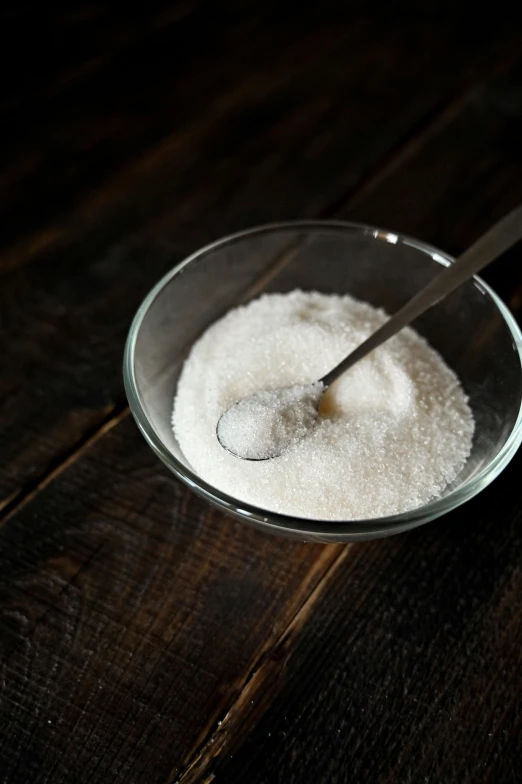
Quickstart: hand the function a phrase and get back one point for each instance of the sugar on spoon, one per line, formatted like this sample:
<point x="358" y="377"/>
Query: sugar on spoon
<point x="265" y="424"/>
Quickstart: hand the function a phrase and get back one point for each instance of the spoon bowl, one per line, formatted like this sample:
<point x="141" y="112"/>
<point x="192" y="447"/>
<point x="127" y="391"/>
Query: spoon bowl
<point x="265" y="424"/>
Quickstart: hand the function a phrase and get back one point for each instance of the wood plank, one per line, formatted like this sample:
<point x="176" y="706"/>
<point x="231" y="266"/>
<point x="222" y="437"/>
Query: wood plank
<point x="135" y="618"/>
<point x="115" y="593"/>
<point x="282" y="139"/>
<point x="394" y="673"/>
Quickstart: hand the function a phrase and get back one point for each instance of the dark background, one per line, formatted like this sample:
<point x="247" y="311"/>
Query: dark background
<point x="145" y="637"/>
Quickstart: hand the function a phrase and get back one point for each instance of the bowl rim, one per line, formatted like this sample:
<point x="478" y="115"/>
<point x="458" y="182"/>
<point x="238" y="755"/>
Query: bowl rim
<point x="292" y="525"/>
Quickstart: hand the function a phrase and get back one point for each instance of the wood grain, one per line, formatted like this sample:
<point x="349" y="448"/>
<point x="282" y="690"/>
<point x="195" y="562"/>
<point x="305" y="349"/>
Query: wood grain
<point x="247" y="135"/>
<point x="135" y="619"/>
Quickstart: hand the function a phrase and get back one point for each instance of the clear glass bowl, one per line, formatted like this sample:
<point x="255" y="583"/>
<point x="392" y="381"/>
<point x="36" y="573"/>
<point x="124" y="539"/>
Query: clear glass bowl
<point x="471" y="328"/>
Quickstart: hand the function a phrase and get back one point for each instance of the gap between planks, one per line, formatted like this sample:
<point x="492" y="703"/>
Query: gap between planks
<point x="13" y="503"/>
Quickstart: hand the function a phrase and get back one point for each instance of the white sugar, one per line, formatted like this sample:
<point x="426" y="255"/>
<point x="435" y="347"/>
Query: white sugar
<point x="390" y="435"/>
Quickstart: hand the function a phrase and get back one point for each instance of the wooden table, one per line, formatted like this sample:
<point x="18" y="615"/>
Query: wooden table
<point x="144" y="636"/>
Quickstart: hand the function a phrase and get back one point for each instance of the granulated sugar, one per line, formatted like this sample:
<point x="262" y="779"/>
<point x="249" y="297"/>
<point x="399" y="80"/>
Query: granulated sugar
<point x="390" y="435"/>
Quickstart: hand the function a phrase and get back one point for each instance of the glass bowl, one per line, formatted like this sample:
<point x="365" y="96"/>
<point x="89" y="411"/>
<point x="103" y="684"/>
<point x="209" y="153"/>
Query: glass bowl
<point x="472" y="329"/>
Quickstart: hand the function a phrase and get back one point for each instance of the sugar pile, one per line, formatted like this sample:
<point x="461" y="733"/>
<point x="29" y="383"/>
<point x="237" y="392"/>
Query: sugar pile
<point x="267" y="423"/>
<point x="391" y="433"/>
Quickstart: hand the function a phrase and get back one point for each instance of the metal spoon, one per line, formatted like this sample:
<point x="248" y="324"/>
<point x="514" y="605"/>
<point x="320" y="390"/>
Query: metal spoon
<point x="492" y="244"/>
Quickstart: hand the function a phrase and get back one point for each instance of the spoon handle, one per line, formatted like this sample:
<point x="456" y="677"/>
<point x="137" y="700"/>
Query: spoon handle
<point x="487" y="248"/>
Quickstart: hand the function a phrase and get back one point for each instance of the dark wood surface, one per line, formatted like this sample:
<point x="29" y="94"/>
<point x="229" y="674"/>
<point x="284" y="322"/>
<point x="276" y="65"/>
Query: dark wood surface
<point x="145" y="637"/>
